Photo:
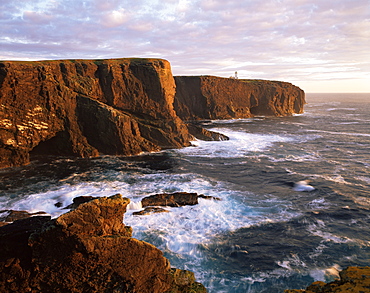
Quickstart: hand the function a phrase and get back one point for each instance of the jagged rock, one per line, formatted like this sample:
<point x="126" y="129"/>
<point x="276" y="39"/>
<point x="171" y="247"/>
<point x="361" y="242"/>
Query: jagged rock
<point x="86" y="250"/>
<point x="204" y="134"/>
<point x="211" y="97"/>
<point x="352" y="279"/>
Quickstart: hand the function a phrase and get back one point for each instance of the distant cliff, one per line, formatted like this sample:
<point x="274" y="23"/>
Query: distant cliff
<point x="85" y="108"/>
<point x="211" y="97"/>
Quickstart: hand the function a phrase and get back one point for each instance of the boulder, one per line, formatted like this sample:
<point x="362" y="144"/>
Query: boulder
<point x="88" y="249"/>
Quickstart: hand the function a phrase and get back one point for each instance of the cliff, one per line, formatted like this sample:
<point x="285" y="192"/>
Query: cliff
<point x="211" y="97"/>
<point x="86" y="250"/>
<point x="86" y="107"/>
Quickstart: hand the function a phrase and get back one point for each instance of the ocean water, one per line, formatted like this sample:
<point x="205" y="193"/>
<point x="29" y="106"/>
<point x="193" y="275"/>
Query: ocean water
<point x="295" y="199"/>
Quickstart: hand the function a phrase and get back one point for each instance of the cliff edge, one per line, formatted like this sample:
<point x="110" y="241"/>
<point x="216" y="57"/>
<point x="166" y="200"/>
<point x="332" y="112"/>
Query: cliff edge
<point x="86" y="107"/>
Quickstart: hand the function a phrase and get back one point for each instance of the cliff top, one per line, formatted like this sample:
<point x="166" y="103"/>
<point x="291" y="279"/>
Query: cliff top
<point x="96" y="61"/>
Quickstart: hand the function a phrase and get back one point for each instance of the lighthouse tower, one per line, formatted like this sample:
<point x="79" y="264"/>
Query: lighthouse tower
<point x="236" y="75"/>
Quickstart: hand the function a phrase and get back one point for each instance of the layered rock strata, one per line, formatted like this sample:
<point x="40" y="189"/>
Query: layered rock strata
<point x="86" y="250"/>
<point x="211" y="97"/>
<point x="86" y="107"/>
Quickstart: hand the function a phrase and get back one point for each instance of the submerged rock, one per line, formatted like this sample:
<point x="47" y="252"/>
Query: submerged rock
<point x="352" y="279"/>
<point x="86" y="250"/>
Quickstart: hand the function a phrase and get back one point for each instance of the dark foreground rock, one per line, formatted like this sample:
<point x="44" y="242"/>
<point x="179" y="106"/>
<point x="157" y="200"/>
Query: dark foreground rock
<point x="352" y="279"/>
<point x="86" y="250"/>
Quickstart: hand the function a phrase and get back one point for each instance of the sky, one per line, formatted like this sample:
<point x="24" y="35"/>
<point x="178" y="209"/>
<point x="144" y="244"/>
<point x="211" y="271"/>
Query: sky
<point x="318" y="45"/>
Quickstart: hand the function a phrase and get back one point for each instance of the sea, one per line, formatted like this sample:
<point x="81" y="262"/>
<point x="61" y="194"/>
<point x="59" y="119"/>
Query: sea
<point x="294" y="196"/>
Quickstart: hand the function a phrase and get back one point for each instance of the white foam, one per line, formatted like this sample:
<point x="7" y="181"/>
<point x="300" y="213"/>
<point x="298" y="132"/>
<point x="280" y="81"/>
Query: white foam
<point x="239" y="144"/>
<point x="326" y="274"/>
<point x="303" y="186"/>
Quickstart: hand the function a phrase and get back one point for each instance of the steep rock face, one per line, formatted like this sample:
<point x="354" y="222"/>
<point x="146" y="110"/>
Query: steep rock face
<point x="83" y="108"/>
<point x="86" y="250"/>
<point x="210" y="97"/>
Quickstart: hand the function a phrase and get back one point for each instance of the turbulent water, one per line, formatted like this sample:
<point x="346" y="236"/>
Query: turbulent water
<point x="267" y="233"/>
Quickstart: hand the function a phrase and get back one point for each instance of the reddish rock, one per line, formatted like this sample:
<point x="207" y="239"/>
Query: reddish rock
<point x="86" y="107"/>
<point x="211" y="97"/>
<point x="86" y="250"/>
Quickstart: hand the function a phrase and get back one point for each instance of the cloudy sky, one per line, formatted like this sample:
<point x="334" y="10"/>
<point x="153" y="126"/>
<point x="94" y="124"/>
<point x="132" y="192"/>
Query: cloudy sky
<point x="319" y="45"/>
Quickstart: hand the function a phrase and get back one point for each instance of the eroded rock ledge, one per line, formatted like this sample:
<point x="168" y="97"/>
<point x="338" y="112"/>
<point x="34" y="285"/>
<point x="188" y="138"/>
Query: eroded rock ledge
<point x="84" y="108"/>
<point x="86" y="250"/>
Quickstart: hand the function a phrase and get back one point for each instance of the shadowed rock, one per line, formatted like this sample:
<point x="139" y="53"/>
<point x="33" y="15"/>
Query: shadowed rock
<point x="212" y="97"/>
<point x="86" y="107"/>
<point x="86" y="250"/>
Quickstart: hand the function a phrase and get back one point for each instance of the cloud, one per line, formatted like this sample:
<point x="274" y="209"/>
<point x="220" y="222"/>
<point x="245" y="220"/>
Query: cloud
<point x="291" y="40"/>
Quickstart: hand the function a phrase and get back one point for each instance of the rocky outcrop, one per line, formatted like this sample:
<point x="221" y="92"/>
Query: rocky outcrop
<point x="86" y="250"/>
<point x="86" y="107"/>
<point x="352" y="279"/>
<point x="211" y="97"/>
